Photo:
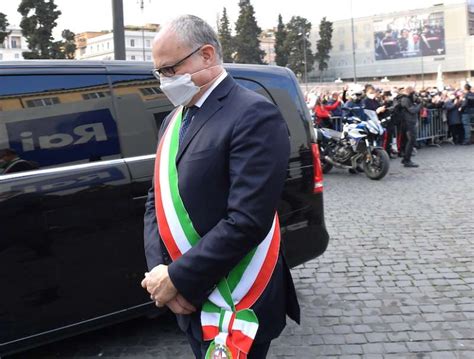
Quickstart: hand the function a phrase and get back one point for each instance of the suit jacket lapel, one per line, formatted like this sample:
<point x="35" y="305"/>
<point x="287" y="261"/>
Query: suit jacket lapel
<point x="209" y="108"/>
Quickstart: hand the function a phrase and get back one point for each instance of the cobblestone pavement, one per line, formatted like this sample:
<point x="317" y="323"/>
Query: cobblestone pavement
<point x="396" y="282"/>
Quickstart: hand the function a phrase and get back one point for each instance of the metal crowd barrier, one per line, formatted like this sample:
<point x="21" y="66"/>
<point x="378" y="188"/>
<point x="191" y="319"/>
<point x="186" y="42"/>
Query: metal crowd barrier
<point x="434" y="127"/>
<point x="337" y="123"/>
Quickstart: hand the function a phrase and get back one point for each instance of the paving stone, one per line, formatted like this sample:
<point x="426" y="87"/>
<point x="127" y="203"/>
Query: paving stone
<point x="397" y="280"/>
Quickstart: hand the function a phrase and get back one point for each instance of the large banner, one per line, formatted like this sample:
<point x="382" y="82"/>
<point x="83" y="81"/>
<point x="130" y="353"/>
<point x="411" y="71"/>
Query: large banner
<point x="409" y="36"/>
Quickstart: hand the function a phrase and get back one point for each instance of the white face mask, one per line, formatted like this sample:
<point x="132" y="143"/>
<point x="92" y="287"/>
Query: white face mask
<point x="180" y="89"/>
<point x="371" y="96"/>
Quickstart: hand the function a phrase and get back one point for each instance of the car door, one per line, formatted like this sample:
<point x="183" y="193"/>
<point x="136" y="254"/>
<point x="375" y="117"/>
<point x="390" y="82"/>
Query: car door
<point x="63" y="225"/>
<point x="141" y="108"/>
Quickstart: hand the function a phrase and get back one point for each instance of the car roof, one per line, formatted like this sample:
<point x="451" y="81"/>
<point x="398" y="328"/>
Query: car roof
<point x="125" y="65"/>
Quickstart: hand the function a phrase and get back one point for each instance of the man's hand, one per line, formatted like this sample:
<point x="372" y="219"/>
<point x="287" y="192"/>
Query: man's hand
<point x="380" y="109"/>
<point x="179" y="305"/>
<point x="158" y="283"/>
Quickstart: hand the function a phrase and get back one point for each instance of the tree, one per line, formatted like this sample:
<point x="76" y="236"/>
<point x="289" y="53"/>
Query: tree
<point x="37" y="24"/>
<point x="225" y="38"/>
<point x="281" y="53"/>
<point x="3" y="27"/>
<point x="297" y="43"/>
<point x="247" y="43"/>
<point x="69" y="44"/>
<point x="324" y="45"/>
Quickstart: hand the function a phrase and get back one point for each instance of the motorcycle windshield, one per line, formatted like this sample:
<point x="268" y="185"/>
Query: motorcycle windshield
<point x="371" y="115"/>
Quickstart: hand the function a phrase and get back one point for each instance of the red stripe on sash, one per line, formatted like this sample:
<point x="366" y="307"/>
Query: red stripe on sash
<point x="265" y="273"/>
<point x="163" y="227"/>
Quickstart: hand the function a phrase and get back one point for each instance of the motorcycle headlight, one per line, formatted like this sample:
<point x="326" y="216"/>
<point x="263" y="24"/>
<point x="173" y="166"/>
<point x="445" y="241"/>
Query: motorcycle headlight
<point x="373" y="130"/>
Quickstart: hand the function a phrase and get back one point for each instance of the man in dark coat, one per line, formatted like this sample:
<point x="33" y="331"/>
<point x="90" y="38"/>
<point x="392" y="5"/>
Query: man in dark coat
<point x="231" y="165"/>
<point x="410" y="114"/>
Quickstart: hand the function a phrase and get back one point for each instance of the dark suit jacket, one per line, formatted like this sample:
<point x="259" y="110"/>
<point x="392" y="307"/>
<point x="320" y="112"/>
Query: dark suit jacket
<point x="232" y="166"/>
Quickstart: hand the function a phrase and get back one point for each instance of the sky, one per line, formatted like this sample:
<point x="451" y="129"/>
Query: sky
<point x="93" y="15"/>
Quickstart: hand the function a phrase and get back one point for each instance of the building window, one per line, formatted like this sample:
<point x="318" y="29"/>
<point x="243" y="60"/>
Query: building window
<point x="47" y="101"/>
<point x="149" y="91"/>
<point x="132" y="57"/>
<point x="108" y="45"/>
<point x="97" y="47"/>
<point x="17" y="56"/>
<point x="1" y="56"/>
<point x="132" y="43"/>
<point x="95" y="95"/>
<point x="148" y="57"/>
<point x="341" y="47"/>
<point x="14" y="43"/>
<point x="148" y="43"/>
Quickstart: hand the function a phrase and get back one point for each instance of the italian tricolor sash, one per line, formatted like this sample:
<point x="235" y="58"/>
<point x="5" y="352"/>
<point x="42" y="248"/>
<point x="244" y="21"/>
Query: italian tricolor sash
<point x="226" y="317"/>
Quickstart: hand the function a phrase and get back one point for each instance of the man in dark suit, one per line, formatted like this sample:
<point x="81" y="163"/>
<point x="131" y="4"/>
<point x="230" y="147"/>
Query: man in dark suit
<point x="231" y="163"/>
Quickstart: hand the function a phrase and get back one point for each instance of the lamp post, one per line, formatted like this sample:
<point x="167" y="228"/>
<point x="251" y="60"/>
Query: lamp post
<point x="142" y="7"/>
<point x="353" y="45"/>
<point x="422" y="72"/>
<point x="119" y="31"/>
<point x="303" y="35"/>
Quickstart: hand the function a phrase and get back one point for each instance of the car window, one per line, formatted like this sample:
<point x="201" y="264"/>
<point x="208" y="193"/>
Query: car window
<point x="286" y="97"/>
<point x="55" y="120"/>
<point x="141" y="108"/>
<point x="254" y="86"/>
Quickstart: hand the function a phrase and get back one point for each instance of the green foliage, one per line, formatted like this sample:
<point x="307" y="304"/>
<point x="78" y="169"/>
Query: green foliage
<point x="296" y="42"/>
<point x="69" y="45"/>
<point x="247" y="43"/>
<point x="324" y="45"/>
<point x="37" y="24"/>
<point x="3" y="27"/>
<point x="225" y="37"/>
<point x="281" y="53"/>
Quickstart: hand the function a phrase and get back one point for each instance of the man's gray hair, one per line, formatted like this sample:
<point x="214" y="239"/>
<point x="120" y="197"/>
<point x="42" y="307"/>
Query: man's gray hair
<point x="195" y="32"/>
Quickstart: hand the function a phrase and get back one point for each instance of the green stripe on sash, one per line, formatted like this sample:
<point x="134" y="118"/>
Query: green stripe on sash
<point x="191" y="234"/>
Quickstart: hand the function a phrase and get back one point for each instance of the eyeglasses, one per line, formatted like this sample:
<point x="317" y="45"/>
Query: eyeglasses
<point x="168" y="71"/>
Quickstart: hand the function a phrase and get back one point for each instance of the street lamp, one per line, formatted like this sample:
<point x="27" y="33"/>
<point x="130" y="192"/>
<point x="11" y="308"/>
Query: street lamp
<point x="142" y="7"/>
<point x="303" y="37"/>
<point x="353" y="45"/>
<point x="119" y="32"/>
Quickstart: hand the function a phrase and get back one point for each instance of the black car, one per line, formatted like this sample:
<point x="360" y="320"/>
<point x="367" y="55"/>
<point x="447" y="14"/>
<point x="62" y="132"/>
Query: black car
<point x="83" y="135"/>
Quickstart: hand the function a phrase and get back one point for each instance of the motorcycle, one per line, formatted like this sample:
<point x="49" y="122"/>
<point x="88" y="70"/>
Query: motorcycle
<point x="356" y="147"/>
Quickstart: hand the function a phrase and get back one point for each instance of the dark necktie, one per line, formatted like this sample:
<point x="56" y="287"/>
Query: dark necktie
<point x="188" y="116"/>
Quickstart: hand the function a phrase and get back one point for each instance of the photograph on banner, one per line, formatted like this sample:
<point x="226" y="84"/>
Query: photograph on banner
<point x="409" y="36"/>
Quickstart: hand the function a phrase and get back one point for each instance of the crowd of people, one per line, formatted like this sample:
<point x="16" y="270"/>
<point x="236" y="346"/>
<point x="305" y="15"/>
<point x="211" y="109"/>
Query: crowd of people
<point x="405" y="107"/>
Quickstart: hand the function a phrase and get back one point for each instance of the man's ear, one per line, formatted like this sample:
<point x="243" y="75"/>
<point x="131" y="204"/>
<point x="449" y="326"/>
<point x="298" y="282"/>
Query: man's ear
<point x="208" y="53"/>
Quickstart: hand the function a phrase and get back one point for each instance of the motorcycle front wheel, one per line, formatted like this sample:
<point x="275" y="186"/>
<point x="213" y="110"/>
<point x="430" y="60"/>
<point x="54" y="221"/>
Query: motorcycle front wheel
<point x="326" y="166"/>
<point x="378" y="167"/>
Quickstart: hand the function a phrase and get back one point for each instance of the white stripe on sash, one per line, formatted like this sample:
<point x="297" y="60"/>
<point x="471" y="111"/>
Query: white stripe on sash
<point x="253" y="269"/>
<point x="168" y="207"/>
<point x="210" y="318"/>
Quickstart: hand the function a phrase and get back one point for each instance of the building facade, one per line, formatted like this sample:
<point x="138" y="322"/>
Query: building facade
<point x="267" y="44"/>
<point x="412" y="45"/>
<point x="13" y="46"/>
<point x="100" y="45"/>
